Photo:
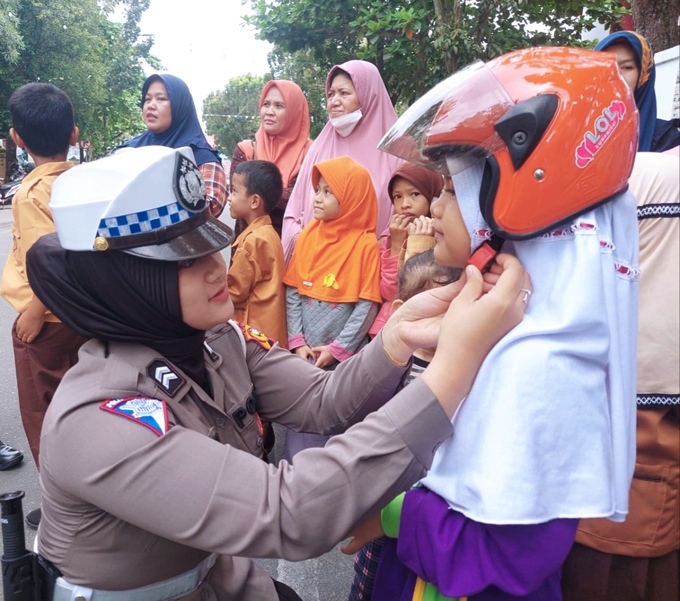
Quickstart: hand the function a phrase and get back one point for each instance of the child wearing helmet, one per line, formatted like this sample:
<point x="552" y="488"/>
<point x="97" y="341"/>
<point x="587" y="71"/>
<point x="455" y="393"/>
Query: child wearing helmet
<point x="538" y="145"/>
<point x="152" y="472"/>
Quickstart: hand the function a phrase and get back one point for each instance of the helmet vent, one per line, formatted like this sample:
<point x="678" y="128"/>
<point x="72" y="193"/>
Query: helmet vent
<point x="523" y="126"/>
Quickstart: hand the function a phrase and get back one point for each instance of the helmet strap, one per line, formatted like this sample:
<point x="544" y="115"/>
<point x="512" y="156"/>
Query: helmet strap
<point x="486" y="252"/>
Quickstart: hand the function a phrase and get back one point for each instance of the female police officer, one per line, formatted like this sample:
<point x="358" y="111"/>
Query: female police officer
<point x="152" y="482"/>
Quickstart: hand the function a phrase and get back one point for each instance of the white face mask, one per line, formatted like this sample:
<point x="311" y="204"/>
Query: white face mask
<point x="345" y="125"/>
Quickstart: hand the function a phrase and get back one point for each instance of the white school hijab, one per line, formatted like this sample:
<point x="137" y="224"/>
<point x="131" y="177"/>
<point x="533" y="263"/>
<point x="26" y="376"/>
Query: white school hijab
<point x="548" y="429"/>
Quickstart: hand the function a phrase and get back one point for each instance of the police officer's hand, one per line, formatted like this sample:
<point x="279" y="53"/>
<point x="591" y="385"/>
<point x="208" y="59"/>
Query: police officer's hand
<point x="472" y="325"/>
<point x="417" y="322"/>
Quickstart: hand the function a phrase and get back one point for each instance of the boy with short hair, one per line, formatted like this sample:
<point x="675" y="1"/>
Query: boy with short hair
<point x="257" y="269"/>
<point x="44" y="348"/>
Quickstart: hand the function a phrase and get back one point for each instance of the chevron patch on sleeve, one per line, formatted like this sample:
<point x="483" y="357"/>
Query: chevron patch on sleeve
<point x="151" y="413"/>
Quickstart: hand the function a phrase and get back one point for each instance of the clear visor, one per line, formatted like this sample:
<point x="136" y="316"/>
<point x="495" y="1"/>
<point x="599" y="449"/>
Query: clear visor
<point x="452" y="126"/>
<point x="208" y="238"/>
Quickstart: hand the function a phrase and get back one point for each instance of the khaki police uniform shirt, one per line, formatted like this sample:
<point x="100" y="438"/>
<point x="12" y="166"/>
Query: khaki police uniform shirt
<point x="124" y="507"/>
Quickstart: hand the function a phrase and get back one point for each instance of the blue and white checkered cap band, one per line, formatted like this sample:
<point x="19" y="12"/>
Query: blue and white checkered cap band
<point x="144" y="221"/>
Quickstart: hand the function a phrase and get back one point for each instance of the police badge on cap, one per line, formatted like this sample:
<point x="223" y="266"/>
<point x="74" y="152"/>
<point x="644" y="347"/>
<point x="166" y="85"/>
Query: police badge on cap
<point x="189" y="185"/>
<point x="147" y="201"/>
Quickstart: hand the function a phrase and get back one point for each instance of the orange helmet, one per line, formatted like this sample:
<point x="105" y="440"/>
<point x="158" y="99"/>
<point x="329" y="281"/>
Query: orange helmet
<point x="557" y="127"/>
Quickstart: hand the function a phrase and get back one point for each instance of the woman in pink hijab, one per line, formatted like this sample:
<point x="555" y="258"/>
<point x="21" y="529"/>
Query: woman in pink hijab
<point x="360" y="113"/>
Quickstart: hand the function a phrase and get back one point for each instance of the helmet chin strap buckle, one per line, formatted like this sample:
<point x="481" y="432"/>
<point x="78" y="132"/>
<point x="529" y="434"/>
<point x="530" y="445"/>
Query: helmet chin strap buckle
<point x="486" y="252"/>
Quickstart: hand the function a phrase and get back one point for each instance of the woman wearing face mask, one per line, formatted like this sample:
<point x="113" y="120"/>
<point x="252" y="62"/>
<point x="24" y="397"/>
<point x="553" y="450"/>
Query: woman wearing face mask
<point x="359" y="114"/>
<point x="171" y="120"/>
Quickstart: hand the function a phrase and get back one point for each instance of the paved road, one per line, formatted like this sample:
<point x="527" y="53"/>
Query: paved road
<point x="324" y="579"/>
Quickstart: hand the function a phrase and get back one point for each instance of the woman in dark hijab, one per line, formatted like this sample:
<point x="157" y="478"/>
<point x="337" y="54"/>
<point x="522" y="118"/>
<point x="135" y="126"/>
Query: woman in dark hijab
<point x="636" y="63"/>
<point x="153" y="484"/>
<point x="171" y="120"/>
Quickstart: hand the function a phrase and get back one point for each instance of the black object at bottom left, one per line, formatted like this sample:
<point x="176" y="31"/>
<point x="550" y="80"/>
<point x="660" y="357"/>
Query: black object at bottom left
<point x="26" y="576"/>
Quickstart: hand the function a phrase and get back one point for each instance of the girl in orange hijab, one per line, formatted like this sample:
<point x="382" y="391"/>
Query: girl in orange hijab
<point x="282" y="138"/>
<point x="333" y="279"/>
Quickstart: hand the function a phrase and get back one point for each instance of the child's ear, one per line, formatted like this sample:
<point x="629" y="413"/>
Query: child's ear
<point x="256" y="201"/>
<point x="17" y="138"/>
<point x="396" y="303"/>
<point x="73" y="138"/>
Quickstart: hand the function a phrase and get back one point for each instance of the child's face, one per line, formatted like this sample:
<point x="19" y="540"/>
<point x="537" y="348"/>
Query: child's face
<point x="239" y="201"/>
<point x="408" y="200"/>
<point x="450" y="234"/>
<point x="157" y="111"/>
<point x="326" y="206"/>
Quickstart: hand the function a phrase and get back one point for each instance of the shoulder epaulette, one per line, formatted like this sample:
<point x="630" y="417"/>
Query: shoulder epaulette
<point x="256" y="336"/>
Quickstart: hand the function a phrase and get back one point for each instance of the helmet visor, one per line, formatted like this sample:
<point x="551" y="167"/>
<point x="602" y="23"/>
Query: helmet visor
<point x="206" y="239"/>
<point x="452" y="126"/>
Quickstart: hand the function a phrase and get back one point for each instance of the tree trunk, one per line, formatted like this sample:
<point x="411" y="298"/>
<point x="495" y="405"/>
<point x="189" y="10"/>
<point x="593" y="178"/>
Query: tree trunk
<point x="10" y="155"/>
<point x="657" y="20"/>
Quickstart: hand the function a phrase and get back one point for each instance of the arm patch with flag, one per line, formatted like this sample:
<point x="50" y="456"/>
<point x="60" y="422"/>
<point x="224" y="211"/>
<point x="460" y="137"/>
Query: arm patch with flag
<point x="151" y="413"/>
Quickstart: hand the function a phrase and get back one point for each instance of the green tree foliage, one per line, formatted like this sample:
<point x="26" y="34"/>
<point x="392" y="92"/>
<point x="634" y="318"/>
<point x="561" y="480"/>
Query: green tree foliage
<point x="416" y="43"/>
<point x="11" y="43"/>
<point x="118" y="117"/>
<point x="98" y="63"/>
<point x="301" y="67"/>
<point x="232" y="115"/>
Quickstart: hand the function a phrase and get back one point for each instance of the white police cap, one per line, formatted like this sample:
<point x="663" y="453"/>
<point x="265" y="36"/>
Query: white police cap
<point x="147" y="201"/>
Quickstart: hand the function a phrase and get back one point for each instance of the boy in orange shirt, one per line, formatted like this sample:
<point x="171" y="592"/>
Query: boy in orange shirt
<point x="44" y="348"/>
<point x="257" y="268"/>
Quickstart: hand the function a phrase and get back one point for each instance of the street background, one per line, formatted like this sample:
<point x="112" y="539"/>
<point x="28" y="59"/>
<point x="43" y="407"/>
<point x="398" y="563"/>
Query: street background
<point x="326" y="578"/>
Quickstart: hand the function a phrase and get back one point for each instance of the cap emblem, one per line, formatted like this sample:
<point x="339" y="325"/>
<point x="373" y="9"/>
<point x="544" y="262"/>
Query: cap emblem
<point x="189" y="185"/>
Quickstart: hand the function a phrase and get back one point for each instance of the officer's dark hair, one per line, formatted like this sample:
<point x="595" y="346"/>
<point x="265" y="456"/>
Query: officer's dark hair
<point x="264" y="179"/>
<point x="421" y="272"/>
<point x="42" y="115"/>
